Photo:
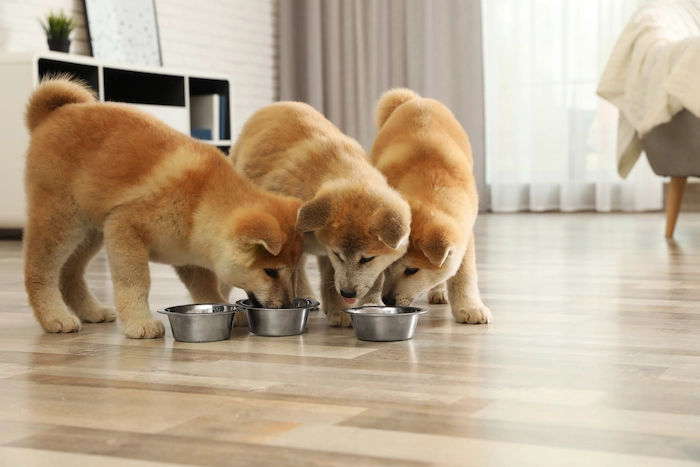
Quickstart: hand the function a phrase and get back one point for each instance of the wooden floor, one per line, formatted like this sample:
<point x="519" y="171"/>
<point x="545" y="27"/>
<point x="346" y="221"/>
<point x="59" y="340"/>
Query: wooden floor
<point x="593" y="358"/>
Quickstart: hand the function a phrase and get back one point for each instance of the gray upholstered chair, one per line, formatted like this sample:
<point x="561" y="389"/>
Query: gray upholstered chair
<point x="673" y="150"/>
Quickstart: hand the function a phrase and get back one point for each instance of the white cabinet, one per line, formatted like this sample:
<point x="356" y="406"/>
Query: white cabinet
<point x="163" y="92"/>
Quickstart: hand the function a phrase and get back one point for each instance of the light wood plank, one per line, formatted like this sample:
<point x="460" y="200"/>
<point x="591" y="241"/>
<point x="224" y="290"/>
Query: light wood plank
<point x="24" y="456"/>
<point x="586" y="417"/>
<point x="449" y="450"/>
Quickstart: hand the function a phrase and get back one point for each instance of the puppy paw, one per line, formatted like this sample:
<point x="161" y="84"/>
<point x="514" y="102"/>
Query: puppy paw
<point x="240" y="319"/>
<point x="145" y="329"/>
<point x="61" y="323"/>
<point x="472" y="314"/>
<point x="438" y="297"/>
<point x="339" y="319"/>
<point x="98" y="315"/>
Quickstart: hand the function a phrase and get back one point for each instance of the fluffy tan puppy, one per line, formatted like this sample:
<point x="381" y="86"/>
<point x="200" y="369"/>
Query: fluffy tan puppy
<point x="108" y="172"/>
<point x="425" y="154"/>
<point x="353" y="221"/>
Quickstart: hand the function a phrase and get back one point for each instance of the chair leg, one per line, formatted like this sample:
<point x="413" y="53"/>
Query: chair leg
<point x="673" y="205"/>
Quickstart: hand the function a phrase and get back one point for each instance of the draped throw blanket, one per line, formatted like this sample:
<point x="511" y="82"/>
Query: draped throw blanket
<point x="653" y="73"/>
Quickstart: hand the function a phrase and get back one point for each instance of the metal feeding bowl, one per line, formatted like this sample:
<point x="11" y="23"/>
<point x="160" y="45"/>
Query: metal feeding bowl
<point x="384" y="323"/>
<point x="200" y="322"/>
<point x="277" y="322"/>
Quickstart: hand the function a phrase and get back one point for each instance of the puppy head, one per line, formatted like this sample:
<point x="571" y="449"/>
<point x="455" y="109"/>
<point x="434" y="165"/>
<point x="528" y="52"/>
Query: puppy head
<point x="363" y="232"/>
<point x="261" y="252"/>
<point x="434" y="254"/>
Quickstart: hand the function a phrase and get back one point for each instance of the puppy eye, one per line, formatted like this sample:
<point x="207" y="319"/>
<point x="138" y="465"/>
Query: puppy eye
<point x="410" y="271"/>
<point x="272" y="273"/>
<point x="366" y="260"/>
<point x="338" y="256"/>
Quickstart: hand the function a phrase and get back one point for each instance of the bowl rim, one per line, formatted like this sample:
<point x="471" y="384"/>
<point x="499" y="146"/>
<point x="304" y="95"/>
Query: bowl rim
<point x="311" y="303"/>
<point x="412" y="311"/>
<point x="168" y="310"/>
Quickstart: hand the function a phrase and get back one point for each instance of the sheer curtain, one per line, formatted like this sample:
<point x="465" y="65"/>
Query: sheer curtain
<point x="550" y="141"/>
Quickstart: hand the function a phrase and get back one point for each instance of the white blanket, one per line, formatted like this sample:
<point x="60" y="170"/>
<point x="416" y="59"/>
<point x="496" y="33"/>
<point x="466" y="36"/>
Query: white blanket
<point x="653" y="72"/>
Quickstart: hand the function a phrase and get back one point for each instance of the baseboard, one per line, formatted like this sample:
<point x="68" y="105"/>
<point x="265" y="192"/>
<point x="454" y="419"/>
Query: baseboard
<point x="691" y="196"/>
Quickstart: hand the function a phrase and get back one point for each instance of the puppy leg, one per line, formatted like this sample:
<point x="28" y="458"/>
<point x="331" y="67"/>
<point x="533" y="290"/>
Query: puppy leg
<point x="239" y="319"/>
<point x="52" y="234"/>
<point x="225" y="290"/>
<point x="202" y="284"/>
<point x="205" y="287"/>
<point x="128" y="261"/>
<point x="438" y="294"/>
<point x="73" y="287"/>
<point x="331" y="301"/>
<point x="374" y="296"/>
<point x="302" y="287"/>
<point x="463" y="291"/>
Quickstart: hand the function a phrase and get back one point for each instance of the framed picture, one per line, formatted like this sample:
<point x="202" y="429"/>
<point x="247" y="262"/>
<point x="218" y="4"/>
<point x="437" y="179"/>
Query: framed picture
<point x="124" y="31"/>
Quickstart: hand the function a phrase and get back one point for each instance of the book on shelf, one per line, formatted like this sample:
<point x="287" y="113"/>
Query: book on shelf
<point x="201" y="133"/>
<point x="223" y="117"/>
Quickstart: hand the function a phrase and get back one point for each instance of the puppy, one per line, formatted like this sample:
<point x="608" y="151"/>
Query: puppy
<point x="108" y="172"/>
<point x="353" y="221"/>
<point x="425" y="154"/>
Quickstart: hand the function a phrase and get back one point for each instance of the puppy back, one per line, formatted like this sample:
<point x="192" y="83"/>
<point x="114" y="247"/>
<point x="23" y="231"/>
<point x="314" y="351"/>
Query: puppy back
<point x="51" y="94"/>
<point x="389" y="101"/>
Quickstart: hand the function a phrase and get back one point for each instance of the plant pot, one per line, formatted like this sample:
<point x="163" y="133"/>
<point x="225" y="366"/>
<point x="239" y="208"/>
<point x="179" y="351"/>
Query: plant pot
<point x="59" y="45"/>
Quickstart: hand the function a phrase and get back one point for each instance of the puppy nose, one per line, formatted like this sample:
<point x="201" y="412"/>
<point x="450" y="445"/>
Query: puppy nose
<point x="389" y="301"/>
<point x="347" y="294"/>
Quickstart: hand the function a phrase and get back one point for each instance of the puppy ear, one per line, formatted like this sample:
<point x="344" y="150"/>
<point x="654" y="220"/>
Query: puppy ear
<point x="314" y="214"/>
<point x="257" y="228"/>
<point x="391" y="226"/>
<point x="437" y="246"/>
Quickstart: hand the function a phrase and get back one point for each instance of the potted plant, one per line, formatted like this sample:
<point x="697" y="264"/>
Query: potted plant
<point x="57" y="28"/>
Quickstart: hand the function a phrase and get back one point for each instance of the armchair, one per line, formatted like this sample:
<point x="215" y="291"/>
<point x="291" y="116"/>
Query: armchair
<point x="673" y="150"/>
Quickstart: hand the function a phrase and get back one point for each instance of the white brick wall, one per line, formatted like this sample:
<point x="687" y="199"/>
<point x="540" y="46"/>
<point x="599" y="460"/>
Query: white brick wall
<point x="236" y="37"/>
<point x="20" y="28"/>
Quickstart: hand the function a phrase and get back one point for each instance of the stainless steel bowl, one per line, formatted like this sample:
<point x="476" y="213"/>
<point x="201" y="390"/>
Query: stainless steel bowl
<point x="384" y="323"/>
<point x="201" y="322"/>
<point x="277" y="322"/>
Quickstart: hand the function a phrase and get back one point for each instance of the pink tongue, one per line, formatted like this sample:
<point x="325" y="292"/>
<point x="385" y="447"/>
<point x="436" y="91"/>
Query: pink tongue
<point x="350" y="300"/>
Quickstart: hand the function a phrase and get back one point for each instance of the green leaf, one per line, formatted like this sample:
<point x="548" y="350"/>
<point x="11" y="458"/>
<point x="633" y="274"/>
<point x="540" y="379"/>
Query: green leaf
<point x="58" y="25"/>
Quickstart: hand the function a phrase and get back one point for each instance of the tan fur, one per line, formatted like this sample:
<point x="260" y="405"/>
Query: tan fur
<point x="108" y="172"/>
<point x="425" y="154"/>
<point x="349" y="211"/>
<point x="385" y="107"/>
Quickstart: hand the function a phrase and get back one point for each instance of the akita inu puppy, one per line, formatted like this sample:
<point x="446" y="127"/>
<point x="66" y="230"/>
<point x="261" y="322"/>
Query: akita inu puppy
<point x="425" y="154"/>
<point x="108" y="172"/>
<point x="353" y="221"/>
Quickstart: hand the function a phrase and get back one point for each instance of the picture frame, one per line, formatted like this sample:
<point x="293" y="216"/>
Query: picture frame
<point x="124" y="31"/>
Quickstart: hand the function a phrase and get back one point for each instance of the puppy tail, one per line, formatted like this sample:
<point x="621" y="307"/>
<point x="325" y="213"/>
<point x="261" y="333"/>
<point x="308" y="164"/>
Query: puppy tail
<point x="389" y="101"/>
<point x="52" y="93"/>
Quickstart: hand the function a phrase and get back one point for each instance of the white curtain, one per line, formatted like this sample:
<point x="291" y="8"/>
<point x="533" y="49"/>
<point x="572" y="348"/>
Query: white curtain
<point x="550" y="141"/>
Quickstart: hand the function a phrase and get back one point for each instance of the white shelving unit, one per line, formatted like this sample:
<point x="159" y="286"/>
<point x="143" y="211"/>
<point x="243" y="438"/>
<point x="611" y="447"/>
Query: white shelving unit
<point x="163" y="92"/>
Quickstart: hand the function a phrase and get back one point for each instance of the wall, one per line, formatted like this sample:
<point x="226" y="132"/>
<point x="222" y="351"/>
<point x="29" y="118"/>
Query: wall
<point x="20" y="29"/>
<point x="236" y="37"/>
